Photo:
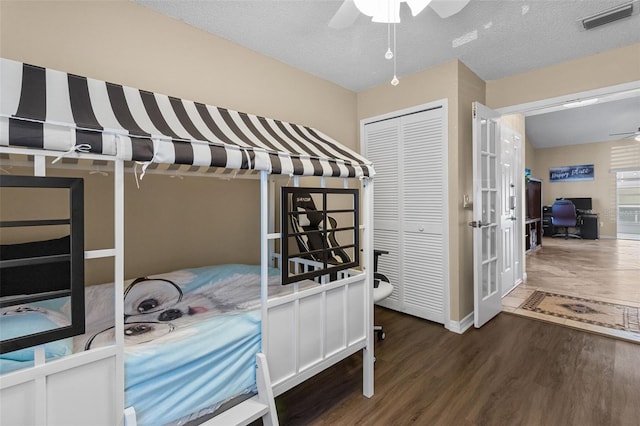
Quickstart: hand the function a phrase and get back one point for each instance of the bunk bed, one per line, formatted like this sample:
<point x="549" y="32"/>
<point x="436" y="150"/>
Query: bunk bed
<point x="303" y="328"/>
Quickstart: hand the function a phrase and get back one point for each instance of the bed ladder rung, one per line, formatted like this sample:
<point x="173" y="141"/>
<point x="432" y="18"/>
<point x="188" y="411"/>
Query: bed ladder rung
<point x="260" y="406"/>
<point x="242" y="414"/>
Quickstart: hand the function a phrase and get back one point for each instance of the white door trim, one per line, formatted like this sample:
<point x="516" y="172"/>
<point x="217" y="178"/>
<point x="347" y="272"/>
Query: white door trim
<point x="619" y="91"/>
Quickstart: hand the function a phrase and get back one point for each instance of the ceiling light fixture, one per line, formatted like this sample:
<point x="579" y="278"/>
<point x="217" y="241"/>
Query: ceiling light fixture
<point x="388" y="12"/>
<point x="382" y="10"/>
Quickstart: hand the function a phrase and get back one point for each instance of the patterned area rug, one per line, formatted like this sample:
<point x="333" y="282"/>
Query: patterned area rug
<point x="596" y="312"/>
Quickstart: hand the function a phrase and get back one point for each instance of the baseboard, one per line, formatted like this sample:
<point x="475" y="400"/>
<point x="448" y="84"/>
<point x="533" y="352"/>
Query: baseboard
<point x="461" y="326"/>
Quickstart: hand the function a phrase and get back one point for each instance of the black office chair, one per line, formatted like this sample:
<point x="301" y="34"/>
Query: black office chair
<point x="382" y="288"/>
<point x="564" y="215"/>
<point x="313" y="246"/>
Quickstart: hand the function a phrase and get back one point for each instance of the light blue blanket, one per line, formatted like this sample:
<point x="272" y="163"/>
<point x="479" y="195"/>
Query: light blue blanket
<point x="21" y="321"/>
<point x="211" y="362"/>
<point x="203" y="355"/>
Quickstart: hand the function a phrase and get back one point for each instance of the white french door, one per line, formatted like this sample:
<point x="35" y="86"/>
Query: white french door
<point x="497" y="218"/>
<point x="508" y="208"/>
<point x="487" y="245"/>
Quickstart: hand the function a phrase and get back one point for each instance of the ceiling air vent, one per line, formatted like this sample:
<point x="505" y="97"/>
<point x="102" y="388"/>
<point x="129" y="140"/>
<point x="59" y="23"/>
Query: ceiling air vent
<point x="608" y="15"/>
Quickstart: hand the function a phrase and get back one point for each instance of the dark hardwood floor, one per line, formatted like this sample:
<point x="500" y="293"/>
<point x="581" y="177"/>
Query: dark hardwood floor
<point x="512" y="371"/>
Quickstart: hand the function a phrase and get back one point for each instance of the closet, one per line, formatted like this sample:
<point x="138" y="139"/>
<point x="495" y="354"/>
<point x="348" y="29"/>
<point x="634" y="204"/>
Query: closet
<point x="409" y="150"/>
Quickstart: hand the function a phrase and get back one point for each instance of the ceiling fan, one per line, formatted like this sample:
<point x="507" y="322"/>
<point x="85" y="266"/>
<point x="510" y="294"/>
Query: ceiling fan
<point x="628" y="135"/>
<point x="349" y="11"/>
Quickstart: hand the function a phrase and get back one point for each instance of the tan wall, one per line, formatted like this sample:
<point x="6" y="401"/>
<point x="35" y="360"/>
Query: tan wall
<point x="602" y="189"/>
<point x="470" y="89"/>
<point x="460" y="86"/>
<point x="604" y="69"/>
<point x="439" y="82"/>
<point x="122" y="42"/>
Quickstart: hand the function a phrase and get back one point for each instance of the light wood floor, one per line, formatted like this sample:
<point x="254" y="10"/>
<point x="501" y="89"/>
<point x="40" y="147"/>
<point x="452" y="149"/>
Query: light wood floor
<point x="512" y="371"/>
<point x="606" y="270"/>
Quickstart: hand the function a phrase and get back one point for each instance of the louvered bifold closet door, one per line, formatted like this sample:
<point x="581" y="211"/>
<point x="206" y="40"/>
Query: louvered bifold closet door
<point x="424" y="201"/>
<point x="410" y="209"/>
<point x="382" y="150"/>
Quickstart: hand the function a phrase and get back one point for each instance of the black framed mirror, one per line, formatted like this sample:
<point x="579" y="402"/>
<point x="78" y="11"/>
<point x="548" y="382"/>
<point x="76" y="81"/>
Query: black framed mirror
<point x="41" y="260"/>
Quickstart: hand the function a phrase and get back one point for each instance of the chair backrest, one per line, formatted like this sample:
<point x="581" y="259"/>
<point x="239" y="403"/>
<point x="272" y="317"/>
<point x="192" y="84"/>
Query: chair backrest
<point x="563" y="213"/>
<point x="310" y="221"/>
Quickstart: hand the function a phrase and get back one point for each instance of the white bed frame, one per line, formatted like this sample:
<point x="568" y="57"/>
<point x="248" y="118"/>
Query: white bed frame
<point x="303" y="333"/>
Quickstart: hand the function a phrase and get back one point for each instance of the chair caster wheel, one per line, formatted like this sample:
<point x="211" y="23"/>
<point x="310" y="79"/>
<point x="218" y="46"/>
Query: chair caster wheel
<point x="381" y="335"/>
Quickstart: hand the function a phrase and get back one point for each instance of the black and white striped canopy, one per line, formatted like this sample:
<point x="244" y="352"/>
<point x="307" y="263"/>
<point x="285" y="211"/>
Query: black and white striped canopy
<point x="53" y="110"/>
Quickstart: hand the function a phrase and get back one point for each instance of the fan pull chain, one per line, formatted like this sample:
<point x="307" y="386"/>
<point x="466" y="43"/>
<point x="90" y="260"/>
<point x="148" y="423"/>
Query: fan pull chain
<point x="389" y="54"/>
<point x="394" y="80"/>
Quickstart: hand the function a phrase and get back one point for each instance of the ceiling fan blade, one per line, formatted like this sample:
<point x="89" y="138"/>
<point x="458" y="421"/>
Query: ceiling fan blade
<point x="446" y="8"/>
<point x="345" y="16"/>
<point x="417" y="6"/>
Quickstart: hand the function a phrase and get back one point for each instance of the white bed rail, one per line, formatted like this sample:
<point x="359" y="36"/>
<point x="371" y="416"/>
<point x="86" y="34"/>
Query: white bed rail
<point x="316" y="325"/>
<point x="300" y="265"/>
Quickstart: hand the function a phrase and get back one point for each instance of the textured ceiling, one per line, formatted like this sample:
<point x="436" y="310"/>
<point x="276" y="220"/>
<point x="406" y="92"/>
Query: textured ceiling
<point x="594" y="123"/>
<point x="494" y="38"/>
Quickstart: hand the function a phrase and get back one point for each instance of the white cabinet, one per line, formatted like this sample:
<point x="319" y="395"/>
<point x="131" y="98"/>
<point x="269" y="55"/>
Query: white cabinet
<point x="409" y="153"/>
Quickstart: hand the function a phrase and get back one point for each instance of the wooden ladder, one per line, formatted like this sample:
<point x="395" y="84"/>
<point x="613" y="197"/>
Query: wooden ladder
<point x="262" y="405"/>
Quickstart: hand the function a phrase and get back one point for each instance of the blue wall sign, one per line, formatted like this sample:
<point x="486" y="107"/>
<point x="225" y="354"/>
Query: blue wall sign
<point x="571" y="173"/>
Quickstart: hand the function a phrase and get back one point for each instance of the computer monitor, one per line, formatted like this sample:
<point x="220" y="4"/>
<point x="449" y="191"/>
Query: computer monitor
<point x="581" y="203"/>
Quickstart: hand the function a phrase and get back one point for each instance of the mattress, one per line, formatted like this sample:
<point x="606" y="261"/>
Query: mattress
<point x="191" y="337"/>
